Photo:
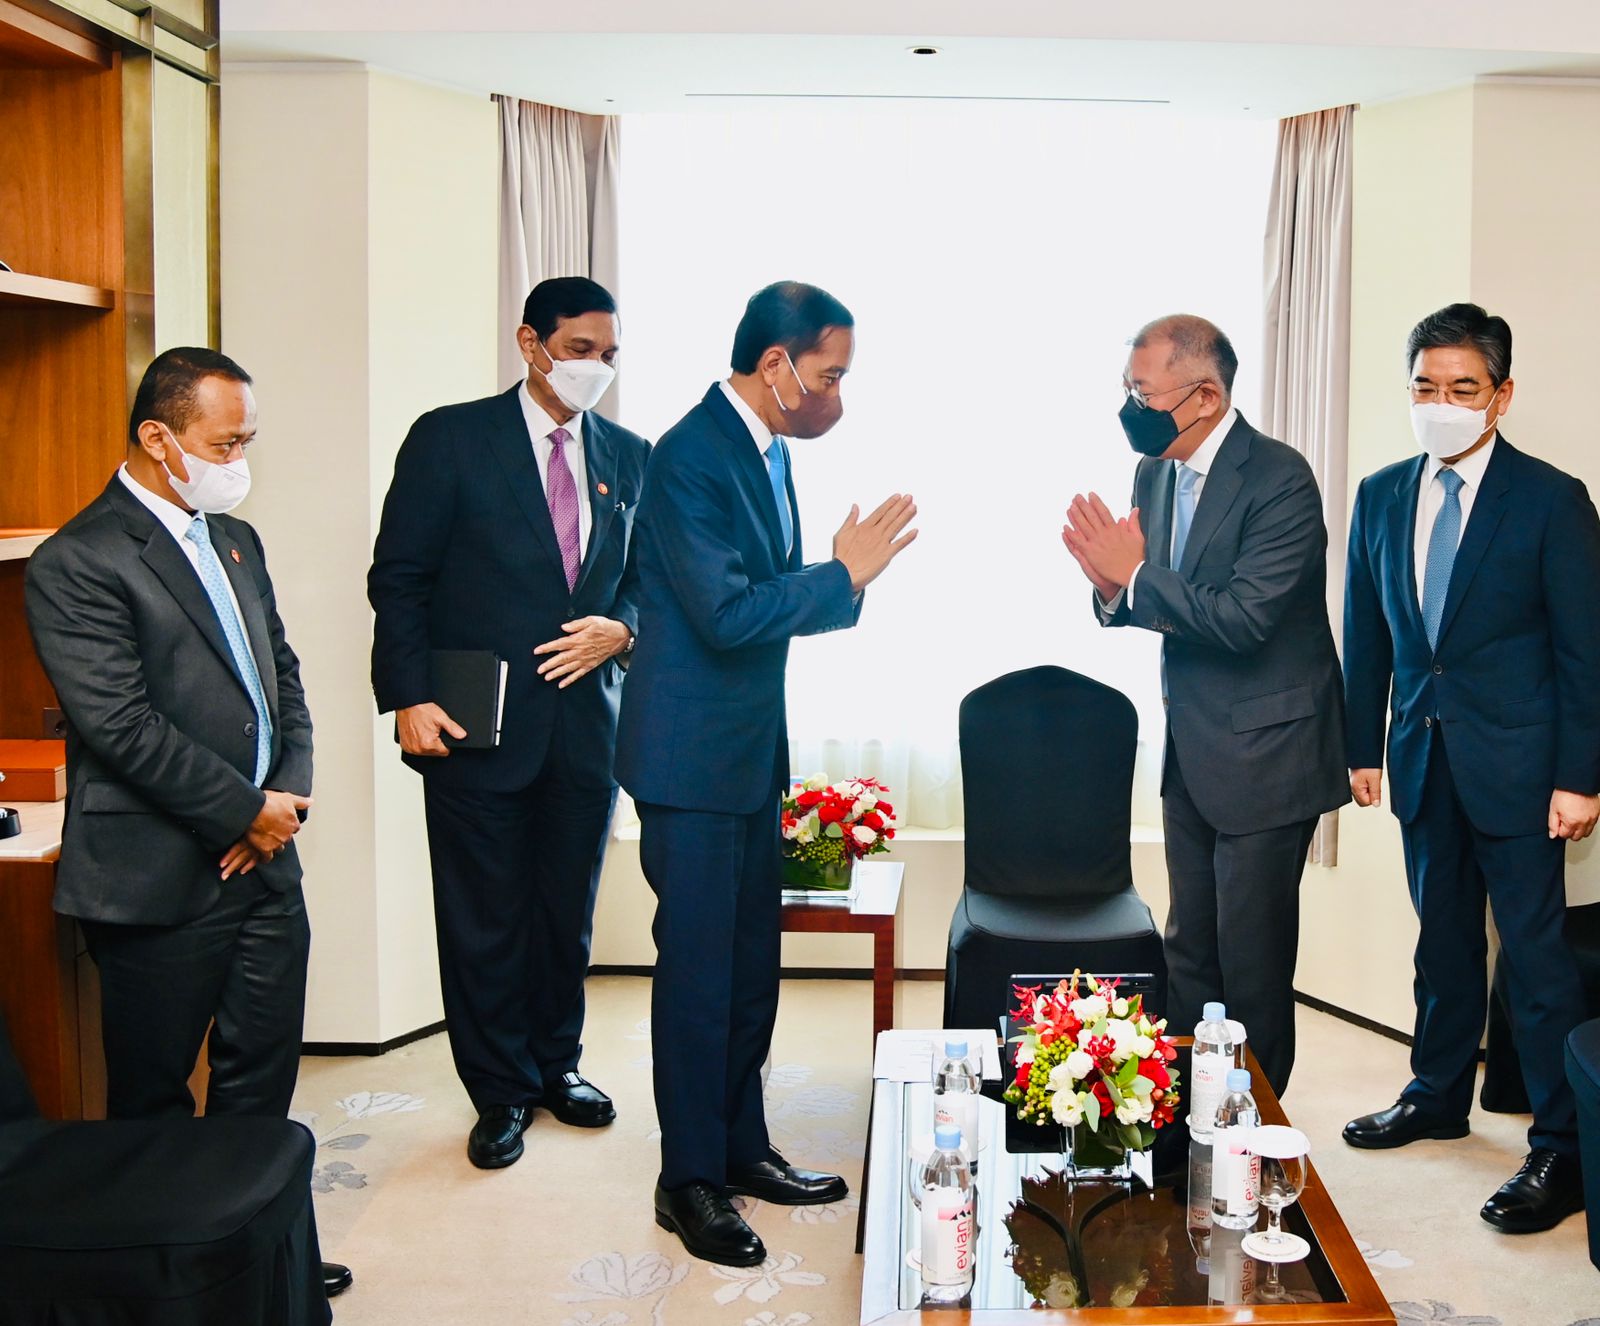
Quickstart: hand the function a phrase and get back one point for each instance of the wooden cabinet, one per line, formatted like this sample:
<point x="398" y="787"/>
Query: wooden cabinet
<point x="91" y="95"/>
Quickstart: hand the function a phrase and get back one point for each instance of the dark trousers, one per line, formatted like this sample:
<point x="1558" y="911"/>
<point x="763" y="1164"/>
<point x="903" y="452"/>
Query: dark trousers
<point x="717" y="880"/>
<point x="515" y="876"/>
<point x="242" y="964"/>
<point x="1452" y="869"/>
<point x="1233" y="925"/>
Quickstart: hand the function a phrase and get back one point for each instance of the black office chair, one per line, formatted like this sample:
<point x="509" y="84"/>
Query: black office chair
<point x="184" y="1222"/>
<point x="1047" y="762"/>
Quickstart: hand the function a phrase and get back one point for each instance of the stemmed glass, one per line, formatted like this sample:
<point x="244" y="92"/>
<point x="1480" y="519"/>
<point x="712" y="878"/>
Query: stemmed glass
<point x="1283" y="1153"/>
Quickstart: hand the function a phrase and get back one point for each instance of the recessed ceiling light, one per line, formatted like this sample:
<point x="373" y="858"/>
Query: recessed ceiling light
<point x="924" y="50"/>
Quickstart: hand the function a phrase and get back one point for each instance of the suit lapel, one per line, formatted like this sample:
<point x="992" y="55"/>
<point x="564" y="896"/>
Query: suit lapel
<point x="1487" y="509"/>
<point x="600" y="461"/>
<point x="243" y="581"/>
<point x="749" y="464"/>
<point x="513" y="450"/>
<point x="1158" y="519"/>
<point x="1222" y="485"/>
<point x="1402" y="540"/>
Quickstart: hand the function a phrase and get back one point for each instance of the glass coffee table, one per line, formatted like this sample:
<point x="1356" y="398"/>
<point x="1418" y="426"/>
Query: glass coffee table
<point x="1051" y="1250"/>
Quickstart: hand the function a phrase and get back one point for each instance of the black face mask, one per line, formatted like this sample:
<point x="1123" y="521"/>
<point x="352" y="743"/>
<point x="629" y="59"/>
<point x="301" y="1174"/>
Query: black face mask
<point x="1151" y="432"/>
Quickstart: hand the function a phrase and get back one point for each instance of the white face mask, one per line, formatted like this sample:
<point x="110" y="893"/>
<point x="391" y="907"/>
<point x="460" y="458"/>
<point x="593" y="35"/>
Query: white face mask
<point x="211" y="488"/>
<point x="578" y="383"/>
<point x="1444" y="431"/>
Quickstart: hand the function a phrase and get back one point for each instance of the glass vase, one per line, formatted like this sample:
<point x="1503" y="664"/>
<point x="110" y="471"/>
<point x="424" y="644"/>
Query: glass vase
<point x="1087" y="1159"/>
<point x="829" y="876"/>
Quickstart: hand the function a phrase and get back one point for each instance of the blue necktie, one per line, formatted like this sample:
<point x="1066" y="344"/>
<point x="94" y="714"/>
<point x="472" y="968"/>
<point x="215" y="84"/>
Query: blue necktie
<point x="1442" y="544"/>
<point x="775" y="471"/>
<point x="1182" y="511"/>
<point x="214" y="578"/>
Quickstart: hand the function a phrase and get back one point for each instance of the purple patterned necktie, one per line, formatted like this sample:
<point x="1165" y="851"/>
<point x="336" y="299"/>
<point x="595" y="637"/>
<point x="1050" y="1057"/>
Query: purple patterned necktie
<point x="562" y="494"/>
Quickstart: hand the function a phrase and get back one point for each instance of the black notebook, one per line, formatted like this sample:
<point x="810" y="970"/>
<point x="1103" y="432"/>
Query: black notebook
<point x="470" y="686"/>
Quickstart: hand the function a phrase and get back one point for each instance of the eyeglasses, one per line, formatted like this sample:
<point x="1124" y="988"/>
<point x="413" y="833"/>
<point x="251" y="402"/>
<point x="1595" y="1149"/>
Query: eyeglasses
<point x="1425" y="393"/>
<point x="1143" y="398"/>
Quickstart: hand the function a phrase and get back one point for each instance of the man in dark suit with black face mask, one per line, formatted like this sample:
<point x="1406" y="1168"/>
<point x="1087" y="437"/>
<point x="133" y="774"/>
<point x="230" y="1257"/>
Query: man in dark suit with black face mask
<point x="1234" y="578"/>
<point x="507" y="531"/>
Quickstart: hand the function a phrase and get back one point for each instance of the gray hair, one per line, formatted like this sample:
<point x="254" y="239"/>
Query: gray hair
<point x="1195" y="340"/>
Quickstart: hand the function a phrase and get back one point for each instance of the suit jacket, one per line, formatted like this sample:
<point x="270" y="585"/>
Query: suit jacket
<point x="1255" y="710"/>
<point x="703" y="724"/>
<point x="467" y="558"/>
<point x="1515" y="679"/>
<point x="161" y="732"/>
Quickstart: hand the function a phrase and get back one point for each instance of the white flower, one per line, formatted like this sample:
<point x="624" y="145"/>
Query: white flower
<point x="851" y="789"/>
<point x="1060" y="1078"/>
<point x="1061" y="1292"/>
<point x="806" y="830"/>
<point x="1122" y="1039"/>
<point x="792" y="831"/>
<point x="1143" y="1047"/>
<point x="1067" y="1108"/>
<point x="1079" y="1064"/>
<point x="1119" y="1006"/>
<point x="1025" y="1052"/>
<point x="1091" y="1009"/>
<point x="863" y="835"/>
<point x="818" y="782"/>
<point x="865" y="802"/>
<point x="1128" y="1112"/>
<point x="1145" y="1029"/>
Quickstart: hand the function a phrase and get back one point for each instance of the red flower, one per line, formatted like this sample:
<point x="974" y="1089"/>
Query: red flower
<point x="886" y="808"/>
<point x="1156" y="1071"/>
<point x="832" y="811"/>
<point x="808" y="799"/>
<point x="1102" y="1095"/>
<point x="1163" y="1114"/>
<point x="1024" y="1072"/>
<point x="872" y="820"/>
<point x="1025" y="996"/>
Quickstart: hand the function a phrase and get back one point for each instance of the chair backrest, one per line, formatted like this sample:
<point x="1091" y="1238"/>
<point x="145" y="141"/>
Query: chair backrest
<point x="1047" y="768"/>
<point x="16" y="1096"/>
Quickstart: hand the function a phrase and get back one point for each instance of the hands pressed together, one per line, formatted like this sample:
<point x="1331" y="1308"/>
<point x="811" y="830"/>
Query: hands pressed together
<point x="1106" y="549"/>
<point x="866" y="547"/>
<point x="269" y="833"/>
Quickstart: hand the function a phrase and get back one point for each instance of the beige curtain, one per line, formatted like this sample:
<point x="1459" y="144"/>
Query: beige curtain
<point x="559" y="175"/>
<point x="1306" y="343"/>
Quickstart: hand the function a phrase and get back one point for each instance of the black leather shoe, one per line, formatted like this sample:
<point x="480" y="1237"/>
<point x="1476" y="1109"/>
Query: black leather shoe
<point x="580" y="1103"/>
<point x="708" y="1225"/>
<point x="336" y="1279"/>
<point x="1544" y="1192"/>
<point x="496" y="1139"/>
<point x="776" y="1180"/>
<point x="1399" y="1125"/>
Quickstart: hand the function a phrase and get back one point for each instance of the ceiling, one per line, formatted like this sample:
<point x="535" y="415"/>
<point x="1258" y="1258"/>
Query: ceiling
<point x="1261" y="58"/>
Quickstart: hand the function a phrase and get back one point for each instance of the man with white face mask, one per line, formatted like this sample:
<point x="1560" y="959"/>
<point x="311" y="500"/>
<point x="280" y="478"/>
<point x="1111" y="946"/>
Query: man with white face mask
<point x="188" y="758"/>
<point x="1470" y="634"/>
<point x="507" y="530"/>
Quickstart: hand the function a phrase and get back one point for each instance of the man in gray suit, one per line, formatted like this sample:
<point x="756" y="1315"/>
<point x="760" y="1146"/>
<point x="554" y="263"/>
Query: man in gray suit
<point x="1234" y="580"/>
<point x="188" y="758"/>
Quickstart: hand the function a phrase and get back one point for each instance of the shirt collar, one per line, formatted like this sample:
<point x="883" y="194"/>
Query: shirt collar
<point x="174" y="517"/>
<point x="761" y="434"/>
<point x="540" y="424"/>
<point x="1471" y="469"/>
<point x="1202" y="459"/>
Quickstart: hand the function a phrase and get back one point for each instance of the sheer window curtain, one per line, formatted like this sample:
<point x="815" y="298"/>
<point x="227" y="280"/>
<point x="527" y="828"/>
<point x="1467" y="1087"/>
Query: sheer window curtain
<point x="559" y="176"/>
<point x="1305" y="393"/>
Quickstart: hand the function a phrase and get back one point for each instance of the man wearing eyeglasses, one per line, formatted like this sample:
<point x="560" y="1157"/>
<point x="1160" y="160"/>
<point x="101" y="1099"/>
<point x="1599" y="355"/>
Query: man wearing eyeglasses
<point x="1233" y="576"/>
<point x="1471" y="636"/>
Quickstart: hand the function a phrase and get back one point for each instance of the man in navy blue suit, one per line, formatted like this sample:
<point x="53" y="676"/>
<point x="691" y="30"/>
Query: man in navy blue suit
<point x="703" y="747"/>
<point x="507" y="530"/>
<point x="1470" y="632"/>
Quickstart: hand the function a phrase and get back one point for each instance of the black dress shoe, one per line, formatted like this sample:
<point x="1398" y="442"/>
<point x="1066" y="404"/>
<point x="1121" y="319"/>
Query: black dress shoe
<point x="496" y="1139"/>
<point x="580" y="1103"/>
<point x="1544" y="1192"/>
<point x="1400" y="1124"/>
<point x="336" y="1279"/>
<point x="776" y="1180"/>
<point x="708" y="1225"/>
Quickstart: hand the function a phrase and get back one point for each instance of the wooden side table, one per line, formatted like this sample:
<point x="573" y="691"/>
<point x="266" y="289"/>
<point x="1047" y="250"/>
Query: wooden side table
<point x="873" y="911"/>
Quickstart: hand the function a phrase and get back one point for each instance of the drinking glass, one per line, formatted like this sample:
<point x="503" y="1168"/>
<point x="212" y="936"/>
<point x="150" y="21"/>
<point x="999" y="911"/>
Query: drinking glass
<point x="1283" y="1153"/>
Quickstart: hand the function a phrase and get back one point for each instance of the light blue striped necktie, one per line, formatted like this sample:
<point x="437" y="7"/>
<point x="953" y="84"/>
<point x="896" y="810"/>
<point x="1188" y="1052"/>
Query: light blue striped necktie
<point x="780" y="491"/>
<point x="214" y="578"/>
<point x="1441" y="559"/>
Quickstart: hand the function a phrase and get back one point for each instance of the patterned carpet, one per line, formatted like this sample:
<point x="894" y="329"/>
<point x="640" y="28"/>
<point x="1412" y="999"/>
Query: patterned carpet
<point x="566" y="1237"/>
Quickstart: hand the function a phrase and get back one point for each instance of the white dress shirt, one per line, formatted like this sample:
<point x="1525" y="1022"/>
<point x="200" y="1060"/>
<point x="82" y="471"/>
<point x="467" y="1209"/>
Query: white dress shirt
<point x="1204" y="457"/>
<point x="175" y="520"/>
<point x="540" y="426"/>
<point x="1432" y="498"/>
<point x="759" y="433"/>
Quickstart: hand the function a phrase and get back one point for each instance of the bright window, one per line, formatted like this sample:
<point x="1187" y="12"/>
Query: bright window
<point x="997" y="259"/>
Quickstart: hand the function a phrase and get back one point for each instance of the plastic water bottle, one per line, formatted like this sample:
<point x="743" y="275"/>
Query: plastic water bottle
<point x="956" y="1087"/>
<point x="1235" y="1173"/>
<point x="1199" y="1197"/>
<point x="947" y="1223"/>
<point x="1208" y="1073"/>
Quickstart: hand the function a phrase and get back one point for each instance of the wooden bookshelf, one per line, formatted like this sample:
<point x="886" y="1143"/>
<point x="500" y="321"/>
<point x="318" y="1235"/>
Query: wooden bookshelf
<point x="18" y="290"/>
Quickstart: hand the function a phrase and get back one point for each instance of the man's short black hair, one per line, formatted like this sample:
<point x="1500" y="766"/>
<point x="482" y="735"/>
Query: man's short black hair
<point x="788" y="313"/>
<point x="1194" y="340"/>
<point x="169" y="386"/>
<point x="1466" y="325"/>
<point x="564" y="297"/>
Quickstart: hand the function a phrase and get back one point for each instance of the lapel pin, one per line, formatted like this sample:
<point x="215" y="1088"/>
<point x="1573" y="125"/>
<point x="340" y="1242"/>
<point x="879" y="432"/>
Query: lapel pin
<point x="602" y="489"/>
<point x="234" y="553"/>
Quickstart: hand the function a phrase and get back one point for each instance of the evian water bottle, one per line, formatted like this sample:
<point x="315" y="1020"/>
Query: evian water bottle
<point x="1208" y="1076"/>
<point x="1235" y="1172"/>
<point x="947" y="1224"/>
<point x="956" y="1086"/>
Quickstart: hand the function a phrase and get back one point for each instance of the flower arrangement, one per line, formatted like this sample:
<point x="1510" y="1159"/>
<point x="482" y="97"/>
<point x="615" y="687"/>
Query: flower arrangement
<point x="828" y="826"/>
<point x="1087" y="1055"/>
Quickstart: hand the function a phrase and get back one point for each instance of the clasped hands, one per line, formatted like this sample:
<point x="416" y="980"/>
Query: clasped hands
<point x="1106" y="549"/>
<point x="269" y="833"/>
<point x="1572" y="814"/>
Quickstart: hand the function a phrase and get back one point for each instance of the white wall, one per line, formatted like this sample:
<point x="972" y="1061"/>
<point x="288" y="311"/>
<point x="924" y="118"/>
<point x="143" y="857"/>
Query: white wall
<point x="359" y="217"/>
